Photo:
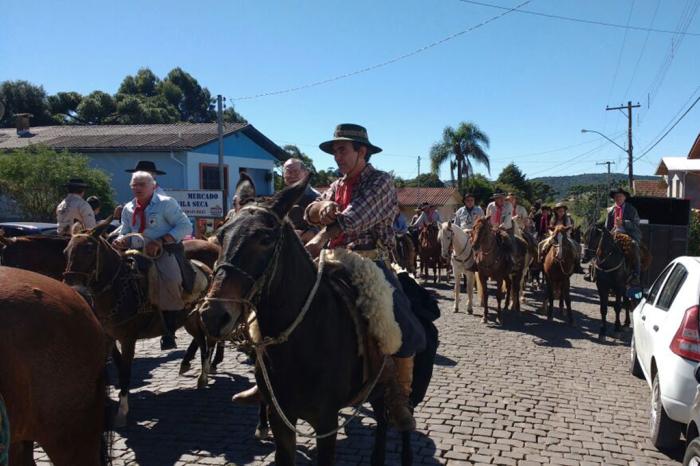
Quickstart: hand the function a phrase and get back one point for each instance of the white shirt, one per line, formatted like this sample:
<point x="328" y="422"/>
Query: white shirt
<point x="73" y="207"/>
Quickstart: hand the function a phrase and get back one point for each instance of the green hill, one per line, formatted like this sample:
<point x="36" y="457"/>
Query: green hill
<point x="562" y="184"/>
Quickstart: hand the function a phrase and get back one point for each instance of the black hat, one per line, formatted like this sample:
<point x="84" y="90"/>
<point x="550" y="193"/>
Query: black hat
<point x="560" y="205"/>
<point x="498" y="193"/>
<point x="76" y="183"/>
<point x="619" y="191"/>
<point x="350" y="132"/>
<point x="469" y="194"/>
<point x="146" y="166"/>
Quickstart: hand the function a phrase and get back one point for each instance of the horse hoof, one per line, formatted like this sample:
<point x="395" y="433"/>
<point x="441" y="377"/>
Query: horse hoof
<point x="119" y="421"/>
<point x="213" y="370"/>
<point x="456" y="309"/>
<point x="470" y="311"/>
<point x="185" y="367"/>
<point x="262" y="433"/>
<point x="484" y="320"/>
<point x="550" y="317"/>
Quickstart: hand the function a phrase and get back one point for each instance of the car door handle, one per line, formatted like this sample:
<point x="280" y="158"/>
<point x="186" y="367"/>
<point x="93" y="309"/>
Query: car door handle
<point x="656" y="328"/>
<point x="644" y="317"/>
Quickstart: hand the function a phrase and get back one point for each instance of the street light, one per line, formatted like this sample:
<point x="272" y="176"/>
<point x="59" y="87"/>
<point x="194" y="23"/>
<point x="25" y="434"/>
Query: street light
<point x="601" y="134"/>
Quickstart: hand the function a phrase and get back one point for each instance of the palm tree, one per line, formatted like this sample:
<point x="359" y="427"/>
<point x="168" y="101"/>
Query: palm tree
<point x="465" y="144"/>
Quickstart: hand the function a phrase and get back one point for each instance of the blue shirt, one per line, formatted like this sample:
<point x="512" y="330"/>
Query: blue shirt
<point x="400" y="225"/>
<point x="163" y="216"/>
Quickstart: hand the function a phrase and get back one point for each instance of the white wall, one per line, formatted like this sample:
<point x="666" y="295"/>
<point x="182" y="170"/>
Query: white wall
<point x="234" y="163"/>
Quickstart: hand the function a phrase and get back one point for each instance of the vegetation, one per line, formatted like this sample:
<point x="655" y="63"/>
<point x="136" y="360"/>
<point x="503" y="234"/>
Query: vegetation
<point x="694" y="234"/>
<point x="562" y="185"/>
<point x="142" y="98"/>
<point x="465" y="144"/>
<point x="34" y="177"/>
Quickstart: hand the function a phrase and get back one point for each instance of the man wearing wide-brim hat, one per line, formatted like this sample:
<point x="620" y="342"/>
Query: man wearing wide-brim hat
<point x="358" y="213"/>
<point x="468" y="214"/>
<point x="149" y="167"/>
<point x="624" y="218"/>
<point x="500" y="212"/>
<point x="561" y="217"/>
<point x="429" y="217"/>
<point x="74" y="208"/>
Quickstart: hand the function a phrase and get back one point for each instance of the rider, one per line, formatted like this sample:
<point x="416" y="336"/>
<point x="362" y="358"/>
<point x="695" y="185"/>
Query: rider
<point x="294" y="170"/>
<point x="161" y="222"/>
<point x="522" y="220"/>
<point x="561" y="217"/>
<point x="500" y="212"/>
<point x="149" y="167"/>
<point x="541" y="221"/>
<point x="466" y="216"/>
<point x="359" y="211"/>
<point x="74" y="208"/>
<point x="400" y="225"/>
<point x="623" y="218"/>
<point x="428" y="217"/>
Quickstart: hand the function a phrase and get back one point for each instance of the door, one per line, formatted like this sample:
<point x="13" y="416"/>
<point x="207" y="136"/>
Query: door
<point x="658" y="314"/>
<point x="641" y="337"/>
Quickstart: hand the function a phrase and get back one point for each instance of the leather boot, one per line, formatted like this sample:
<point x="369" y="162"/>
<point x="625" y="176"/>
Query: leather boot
<point x="398" y="389"/>
<point x="250" y="397"/>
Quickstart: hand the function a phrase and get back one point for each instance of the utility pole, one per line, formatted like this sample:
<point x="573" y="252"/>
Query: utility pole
<point x="418" y="180"/>
<point x="608" y="163"/>
<point x="220" y="127"/>
<point x="630" y="159"/>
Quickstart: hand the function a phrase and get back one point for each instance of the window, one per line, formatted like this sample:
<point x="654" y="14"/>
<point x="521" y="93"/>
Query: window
<point x="651" y="296"/>
<point x="672" y="286"/>
<point x="209" y="176"/>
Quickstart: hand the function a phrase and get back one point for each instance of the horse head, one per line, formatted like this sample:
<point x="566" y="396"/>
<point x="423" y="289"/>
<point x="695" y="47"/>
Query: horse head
<point x="480" y="233"/>
<point x="445" y="237"/>
<point x="561" y="229"/>
<point x="85" y="255"/>
<point x="592" y="238"/>
<point x="251" y="255"/>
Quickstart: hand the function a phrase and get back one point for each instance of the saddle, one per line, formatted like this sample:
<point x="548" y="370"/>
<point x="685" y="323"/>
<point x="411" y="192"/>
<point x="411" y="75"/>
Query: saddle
<point x="625" y="243"/>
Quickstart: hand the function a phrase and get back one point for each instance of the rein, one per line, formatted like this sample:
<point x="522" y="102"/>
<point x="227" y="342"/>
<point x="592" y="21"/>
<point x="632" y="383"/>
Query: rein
<point x="598" y="264"/>
<point x="94" y="276"/>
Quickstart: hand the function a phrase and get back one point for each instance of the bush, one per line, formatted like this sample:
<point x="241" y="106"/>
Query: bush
<point x="694" y="234"/>
<point x="35" y="177"/>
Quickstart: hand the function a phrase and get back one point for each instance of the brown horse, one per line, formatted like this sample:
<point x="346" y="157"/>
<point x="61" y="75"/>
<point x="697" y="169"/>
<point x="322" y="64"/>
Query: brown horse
<point x="52" y="370"/>
<point x="559" y="264"/>
<point x="99" y="270"/>
<point x="406" y="253"/>
<point x="502" y="260"/>
<point x="38" y="253"/>
<point x="429" y="251"/>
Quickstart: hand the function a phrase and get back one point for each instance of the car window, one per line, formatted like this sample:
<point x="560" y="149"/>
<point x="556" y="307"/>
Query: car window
<point x="671" y="287"/>
<point x="651" y="297"/>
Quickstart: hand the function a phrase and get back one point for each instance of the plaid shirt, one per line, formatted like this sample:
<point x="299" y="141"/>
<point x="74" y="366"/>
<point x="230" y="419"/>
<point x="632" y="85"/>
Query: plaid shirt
<point x="370" y="215"/>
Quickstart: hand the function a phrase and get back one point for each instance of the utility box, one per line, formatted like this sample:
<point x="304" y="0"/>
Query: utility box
<point x="664" y="231"/>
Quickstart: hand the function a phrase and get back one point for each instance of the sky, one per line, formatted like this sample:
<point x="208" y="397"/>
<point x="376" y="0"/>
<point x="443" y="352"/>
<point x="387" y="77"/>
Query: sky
<point x="531" y="83"/>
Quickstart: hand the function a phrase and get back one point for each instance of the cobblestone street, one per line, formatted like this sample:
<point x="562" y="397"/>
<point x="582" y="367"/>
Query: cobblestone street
<point x="530" y="393"/>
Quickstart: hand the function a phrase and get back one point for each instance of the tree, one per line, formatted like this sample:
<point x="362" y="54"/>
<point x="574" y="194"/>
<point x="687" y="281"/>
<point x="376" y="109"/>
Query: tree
<point x="541" y="191"/>
<point x="425" y="180"/>
<point x="481" y="187"/>
<point x="466" y="143"/>
<point x="64" y="106"/>
<point x="512" y="176"/>
<point x="34" y="178"/>
<point x="97" y="108"/>
<point x="24" y="97"/>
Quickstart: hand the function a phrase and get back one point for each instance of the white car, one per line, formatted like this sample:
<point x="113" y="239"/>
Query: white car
<point x="692" y="436"/>
<point x="665" y="347"/>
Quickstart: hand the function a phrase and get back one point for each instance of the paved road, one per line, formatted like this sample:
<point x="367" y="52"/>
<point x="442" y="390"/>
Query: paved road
<point x="530" y="393"/>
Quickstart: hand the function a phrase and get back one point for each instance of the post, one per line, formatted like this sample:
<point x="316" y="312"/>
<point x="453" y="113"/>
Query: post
<point x="608" y="177"/>
<point x="418" y="181"/>
<point x="220" y="128"/>
<point x="630" y="160"/>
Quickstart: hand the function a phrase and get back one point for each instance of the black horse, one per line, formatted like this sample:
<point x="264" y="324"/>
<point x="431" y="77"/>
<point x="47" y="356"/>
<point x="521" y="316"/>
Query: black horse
<point x="316" y="371"/>
<point x="611" y="273"/>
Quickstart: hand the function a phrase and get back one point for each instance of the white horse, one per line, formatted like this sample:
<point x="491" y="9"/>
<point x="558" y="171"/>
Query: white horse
<point x="453" y="237"/>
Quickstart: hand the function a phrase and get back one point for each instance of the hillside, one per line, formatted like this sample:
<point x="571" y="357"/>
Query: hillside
<point x="562" y="184"/>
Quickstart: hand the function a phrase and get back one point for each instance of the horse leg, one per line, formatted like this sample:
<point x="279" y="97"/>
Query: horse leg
<point x="603" y="312"/>
<point x="22" y="454"/>
<point x="195" y="328"/>
<point x="379" y="449"/>
<point x="549" y="299"/>
<point x="628" y="304"/>
<point x="456" y="292"/>
<point x="566" y="291"/>
<point x="406" y="449"/>
<point x="262" y="430"/>
<point x="218" y="356"/>
<point x="470" y="291"/>
<point x="325" y="447"/>
<point x="484" y="297"/>
<point x="186" y="365"/>
<point x="285" y="440"/>
<point x="618" y="308"/>
<point x="499" y="298"/>
<point x="127" y="357"/>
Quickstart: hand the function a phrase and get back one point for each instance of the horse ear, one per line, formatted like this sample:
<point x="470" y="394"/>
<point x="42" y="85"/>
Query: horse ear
<point x="245" y="189"/>
<point x="101" y="227"/>
<point x="283" y="201"/>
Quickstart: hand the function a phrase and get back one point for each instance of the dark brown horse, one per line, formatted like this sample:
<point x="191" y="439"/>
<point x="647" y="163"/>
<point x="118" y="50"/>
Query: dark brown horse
<point x="502" y="260"/>
<point x="406" y="253"/>
<point x="38" y="253"/>
<point x="52" y="370"/>
<point x="429" y="251"/>
<point x="315" y="370"/>
<point x="559" y="264"/>
<point x="100" y="271"/>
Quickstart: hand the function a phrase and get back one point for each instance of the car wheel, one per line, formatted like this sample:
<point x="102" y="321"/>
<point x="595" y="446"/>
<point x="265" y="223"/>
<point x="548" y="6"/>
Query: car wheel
<point x="665" y="432"/>
<point x="635" y="368"/>
<point x="692" y="453"/>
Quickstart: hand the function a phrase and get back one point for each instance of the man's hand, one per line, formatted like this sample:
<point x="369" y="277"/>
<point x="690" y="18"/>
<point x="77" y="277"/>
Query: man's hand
<point x="153" y="248"/>
<point x="316" y="244"/>
<point x="328" y="212"/>
<point x="168" y="238"/>
<point x="619" y="223"/>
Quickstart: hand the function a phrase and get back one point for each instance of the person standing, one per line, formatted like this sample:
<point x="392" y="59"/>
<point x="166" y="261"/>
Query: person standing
<point x="73" y="208"/>
<point x="163" y="225"/>
<point x="294" y="171"/>
<point x="467" y="215"/>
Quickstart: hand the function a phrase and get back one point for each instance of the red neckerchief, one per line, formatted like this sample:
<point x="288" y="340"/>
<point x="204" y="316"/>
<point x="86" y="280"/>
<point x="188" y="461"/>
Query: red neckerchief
<point x="343" y="196"/>
<point x="140" y="212"/>
<point x="544" y="221"/>
<point x="499" y="214"/>
<point x="618" y="211"/>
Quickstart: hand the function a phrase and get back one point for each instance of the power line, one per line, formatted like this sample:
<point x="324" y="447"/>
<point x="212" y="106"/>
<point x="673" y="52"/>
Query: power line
<point x="572" y="159"/>
<point x="387" y="62"/>
<point x="669" y="130"/>
<point x="582" y="20"/>
<point x="619" y="56"/>
<point x="680" y="110"/>
<point x="644" y="47"/>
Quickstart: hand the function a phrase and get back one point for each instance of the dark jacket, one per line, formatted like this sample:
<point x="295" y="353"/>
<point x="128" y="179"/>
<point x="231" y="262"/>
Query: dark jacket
<point x="630" y="219"/>
<point x="296" y="213"/>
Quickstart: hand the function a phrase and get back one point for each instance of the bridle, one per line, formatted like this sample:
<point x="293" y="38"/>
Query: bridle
<point x="599" y="263"/>
<point x="456" y="256"/>
<point x="93" y="277"/>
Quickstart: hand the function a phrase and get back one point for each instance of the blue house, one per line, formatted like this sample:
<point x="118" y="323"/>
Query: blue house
<point x="187" y="152"/>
